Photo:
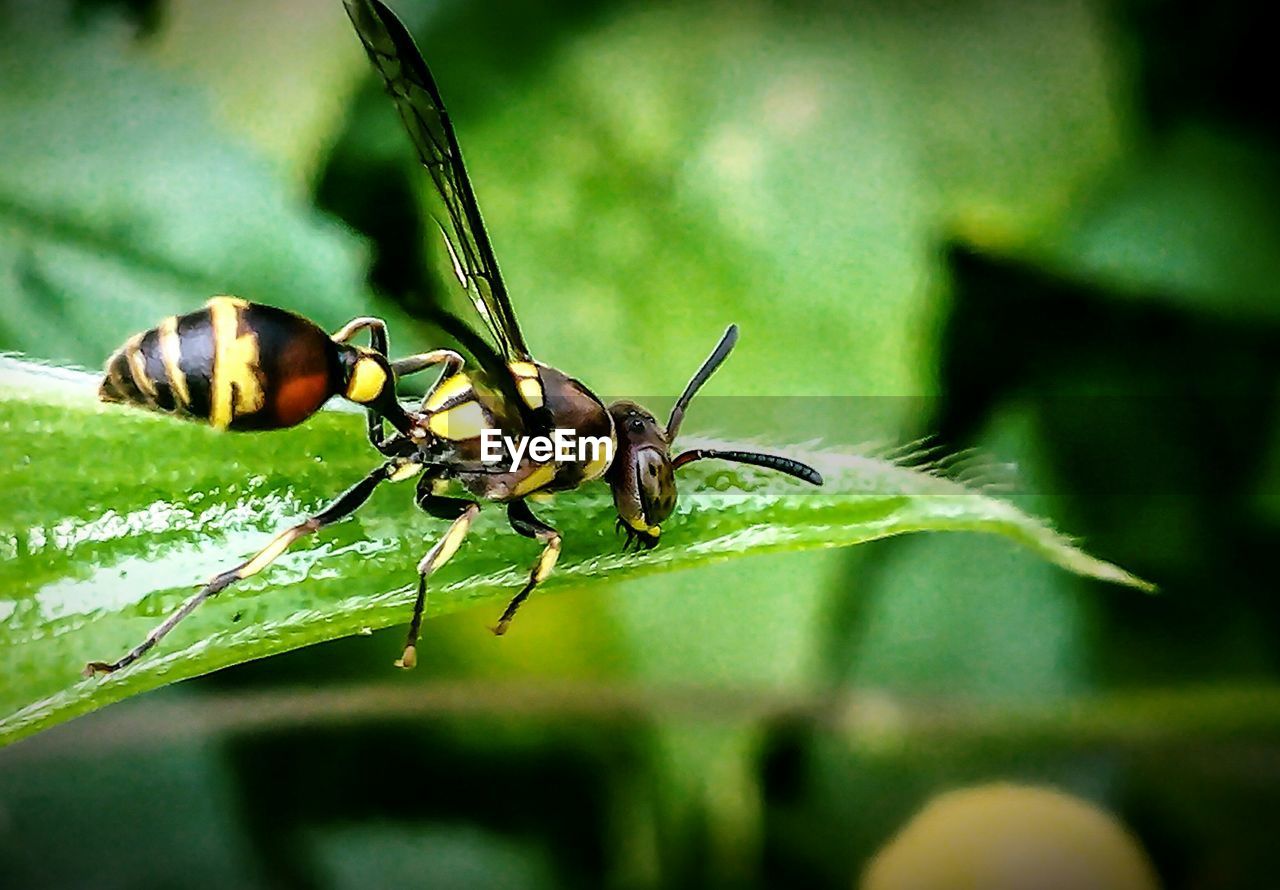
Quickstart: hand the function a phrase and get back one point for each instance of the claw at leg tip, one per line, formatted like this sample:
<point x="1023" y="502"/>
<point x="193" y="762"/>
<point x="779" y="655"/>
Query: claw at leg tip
<point x="409" y="660"/>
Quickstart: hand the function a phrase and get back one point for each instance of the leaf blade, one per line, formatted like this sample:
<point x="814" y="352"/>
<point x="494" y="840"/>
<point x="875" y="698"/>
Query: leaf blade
<point x="90" y="567"/>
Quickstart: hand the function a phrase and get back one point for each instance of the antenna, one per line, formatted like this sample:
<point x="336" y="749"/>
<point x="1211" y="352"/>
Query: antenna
<point x="715" y="360"/>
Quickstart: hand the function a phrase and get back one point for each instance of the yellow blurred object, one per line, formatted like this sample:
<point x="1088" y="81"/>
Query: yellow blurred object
<point x="1011" y="837"/>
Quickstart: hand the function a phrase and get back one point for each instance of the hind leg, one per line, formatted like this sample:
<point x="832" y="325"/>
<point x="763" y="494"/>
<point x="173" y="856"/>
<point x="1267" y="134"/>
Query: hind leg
<point x="346" y="504"/>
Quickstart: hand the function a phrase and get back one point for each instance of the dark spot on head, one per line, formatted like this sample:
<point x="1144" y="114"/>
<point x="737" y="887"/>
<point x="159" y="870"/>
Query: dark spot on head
<point x="653" y="470"/>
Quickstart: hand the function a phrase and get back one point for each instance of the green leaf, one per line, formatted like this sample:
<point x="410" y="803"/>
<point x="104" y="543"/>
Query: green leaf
<point x="121" y="200"/>
<point x="721" y="190"/>
<point x="431" y="855"/>
<point x="109" y="517"/>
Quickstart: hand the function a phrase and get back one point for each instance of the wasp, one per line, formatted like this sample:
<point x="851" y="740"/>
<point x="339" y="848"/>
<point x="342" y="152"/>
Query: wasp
<point x="238" y="365"/>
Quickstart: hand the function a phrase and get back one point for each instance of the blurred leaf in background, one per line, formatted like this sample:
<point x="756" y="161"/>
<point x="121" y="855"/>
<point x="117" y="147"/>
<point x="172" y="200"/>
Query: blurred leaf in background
<point x="123" y="201"/>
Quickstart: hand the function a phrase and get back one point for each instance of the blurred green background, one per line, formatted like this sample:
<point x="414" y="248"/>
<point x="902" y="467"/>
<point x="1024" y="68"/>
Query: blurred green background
<point x="1049" y="231"/>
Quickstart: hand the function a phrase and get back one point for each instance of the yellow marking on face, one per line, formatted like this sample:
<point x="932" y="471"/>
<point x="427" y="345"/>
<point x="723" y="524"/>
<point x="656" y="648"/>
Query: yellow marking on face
<point x="531" y="391"/>
<point x="138" y="366"/>
<point x="368" y="378"/>
<point x="639" y="525"/>
<point x="236" y="390"/>
<point x="465" y="421"/>
<point x="523" y="369"/>
<point x="541" y="476"/>
<point x="448" y="389"/>
<point x="547" y="561"/>
<point x="407" y="471"/>
<point x="595" y="467"/>
<point x="269" y="553"/>
<point x="171" y="352"/>
<point x="542" y="497"/>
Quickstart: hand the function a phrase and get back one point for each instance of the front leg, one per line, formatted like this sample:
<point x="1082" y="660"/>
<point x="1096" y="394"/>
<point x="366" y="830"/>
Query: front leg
<point x="524" y="522"/>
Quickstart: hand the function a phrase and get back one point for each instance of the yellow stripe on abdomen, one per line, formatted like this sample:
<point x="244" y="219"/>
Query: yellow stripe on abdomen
<point x="171" y="353"/>
<point x="138" y="367"/>
<point x="235" y="386"/>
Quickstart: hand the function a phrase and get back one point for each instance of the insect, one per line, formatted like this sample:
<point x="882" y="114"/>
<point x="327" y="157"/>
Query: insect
<point x="239" y="365"/>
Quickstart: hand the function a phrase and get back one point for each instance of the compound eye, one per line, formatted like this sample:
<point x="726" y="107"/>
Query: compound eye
<point x="635" y="425"/>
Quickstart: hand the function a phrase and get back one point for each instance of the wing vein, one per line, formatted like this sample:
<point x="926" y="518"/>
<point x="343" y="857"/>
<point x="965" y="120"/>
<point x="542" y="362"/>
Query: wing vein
<point x="409" y="83"/>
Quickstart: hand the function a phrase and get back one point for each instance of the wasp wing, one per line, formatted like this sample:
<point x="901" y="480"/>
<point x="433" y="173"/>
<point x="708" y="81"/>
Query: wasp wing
<point x="394" y="54"/>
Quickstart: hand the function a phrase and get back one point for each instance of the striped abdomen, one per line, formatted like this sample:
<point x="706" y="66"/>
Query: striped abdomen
<point x="233" y="364"/>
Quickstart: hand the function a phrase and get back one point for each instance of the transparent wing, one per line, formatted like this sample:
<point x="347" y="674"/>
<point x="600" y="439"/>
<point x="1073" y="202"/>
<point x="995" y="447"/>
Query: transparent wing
<point x="397" y="59"/>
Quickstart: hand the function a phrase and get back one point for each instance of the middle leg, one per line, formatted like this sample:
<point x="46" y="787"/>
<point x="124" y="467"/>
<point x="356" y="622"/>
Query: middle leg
<point x="463" y="513"/>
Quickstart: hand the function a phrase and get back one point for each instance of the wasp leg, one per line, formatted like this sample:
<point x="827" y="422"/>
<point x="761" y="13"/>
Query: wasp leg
<point x="379" y="343"/>
<point x="463" y="513"/>
<point x="524" y="522"/>
<point x="376" y="327"/>
<point x="342" y="507"/>
<point x="403" y="367"/>
<point x="412" y="364"/>
<point x="452" y="365"/>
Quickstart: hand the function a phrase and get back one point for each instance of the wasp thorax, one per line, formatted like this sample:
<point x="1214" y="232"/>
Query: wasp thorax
<point x="644" y="487"/>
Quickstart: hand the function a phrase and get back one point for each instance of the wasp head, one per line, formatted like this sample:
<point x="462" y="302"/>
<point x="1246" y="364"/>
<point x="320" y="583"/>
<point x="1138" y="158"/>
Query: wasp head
<point x="643" y="472"/>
